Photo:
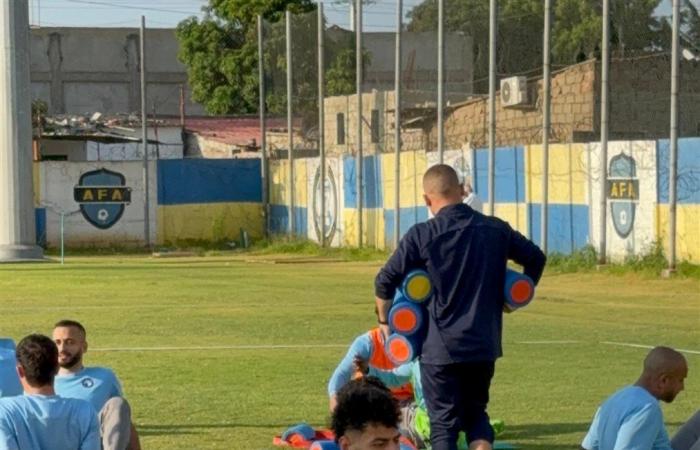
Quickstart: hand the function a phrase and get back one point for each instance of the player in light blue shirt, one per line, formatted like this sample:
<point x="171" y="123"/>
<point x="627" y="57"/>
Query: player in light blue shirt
<point x="9" y="381"/>
<point x="97" y="385"/>
<point x="631" y="419"/>
<point x="39" y="419"/>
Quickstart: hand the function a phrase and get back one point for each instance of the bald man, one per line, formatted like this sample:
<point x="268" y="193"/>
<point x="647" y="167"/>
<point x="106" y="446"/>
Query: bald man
<point x="465" y="254"/>
<point x="631" y="418"/>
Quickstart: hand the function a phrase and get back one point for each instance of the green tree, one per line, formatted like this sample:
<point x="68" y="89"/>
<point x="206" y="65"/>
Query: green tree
<point x="220" y="51"/>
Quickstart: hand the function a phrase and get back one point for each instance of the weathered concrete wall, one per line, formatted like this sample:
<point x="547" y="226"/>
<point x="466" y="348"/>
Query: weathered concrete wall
<point x="82" y="70"/>
<point x="419" y="58"/>
<point x="343" y="109"/>
<point x="639" y="106"/>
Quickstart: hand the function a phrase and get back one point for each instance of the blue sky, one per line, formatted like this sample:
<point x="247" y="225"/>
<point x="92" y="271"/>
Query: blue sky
<point x="379" y="16"/>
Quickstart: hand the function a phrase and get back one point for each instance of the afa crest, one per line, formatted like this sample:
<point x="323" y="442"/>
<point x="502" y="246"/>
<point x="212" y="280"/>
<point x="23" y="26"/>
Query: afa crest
<point x="623" y="193"/>
<point x="102" y="196"/>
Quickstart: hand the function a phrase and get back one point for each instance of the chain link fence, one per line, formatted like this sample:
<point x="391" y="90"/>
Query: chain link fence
<point x="588" y="137"/>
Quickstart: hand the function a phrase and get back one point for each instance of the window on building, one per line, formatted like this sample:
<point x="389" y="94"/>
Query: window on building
<point x="340" y="127"/>
<point x="375" y="126"/>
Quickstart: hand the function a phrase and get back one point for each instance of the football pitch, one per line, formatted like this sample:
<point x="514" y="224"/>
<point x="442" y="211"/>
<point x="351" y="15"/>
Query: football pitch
<point x="225" y="352"/>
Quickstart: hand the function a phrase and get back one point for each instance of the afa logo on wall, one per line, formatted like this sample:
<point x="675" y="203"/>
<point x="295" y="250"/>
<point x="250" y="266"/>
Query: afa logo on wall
<point x="328" y="189"/>
<point x="102" y="196"/>
<point x="623" y="193"/>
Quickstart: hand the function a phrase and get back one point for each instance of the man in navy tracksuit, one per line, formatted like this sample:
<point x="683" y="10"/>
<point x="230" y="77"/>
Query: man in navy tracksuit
<point x="465" y="254"/>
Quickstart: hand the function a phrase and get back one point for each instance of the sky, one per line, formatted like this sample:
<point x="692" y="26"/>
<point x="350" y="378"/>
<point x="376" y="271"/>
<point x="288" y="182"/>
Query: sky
<point x="378" y="16"/>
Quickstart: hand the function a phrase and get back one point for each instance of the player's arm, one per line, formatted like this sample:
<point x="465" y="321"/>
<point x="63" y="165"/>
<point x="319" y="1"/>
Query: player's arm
<point x="396" y="377"/>
<point x="524" y="252"/>
<point x="405" y="258"/>
<point x="362" y="348"/>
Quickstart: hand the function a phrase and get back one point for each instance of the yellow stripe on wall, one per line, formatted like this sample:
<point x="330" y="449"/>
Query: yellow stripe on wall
<point x="515" y="214"/>
<point x="279" y="176"/>
<point x="209" y="221"/>
<point x="301" y="183"/>
<point x="687" y="237"/>
<point x="373" y="228"/>
<point x="567" y="174"/>
<point x="413" y="166"/>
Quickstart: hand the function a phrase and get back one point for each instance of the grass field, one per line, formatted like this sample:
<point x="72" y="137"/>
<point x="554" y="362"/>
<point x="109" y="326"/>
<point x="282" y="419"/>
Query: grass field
<point x="188" y="339"/>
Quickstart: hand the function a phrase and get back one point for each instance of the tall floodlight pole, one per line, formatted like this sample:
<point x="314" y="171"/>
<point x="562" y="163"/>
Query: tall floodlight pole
<point x="290" y="132"/>
<point x="264" y="173"/>
<point x="358" y="79"/>
<point x="397" y="124"/>
<point x="17" y="223"/>
<point x="441" y="82"/>
<point x="144" y="138"/>
<point x="546" y="121"/>
<point x="492" y="107"/>
<point x="604" y="109"/>
<point x="321" y="121"/>
<point x="673" y="181"/>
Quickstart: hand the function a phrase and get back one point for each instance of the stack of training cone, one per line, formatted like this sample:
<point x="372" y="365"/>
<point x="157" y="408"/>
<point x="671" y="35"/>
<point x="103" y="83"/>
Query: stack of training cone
<point x="519" y="290"/>
<point x="407" y="318"/>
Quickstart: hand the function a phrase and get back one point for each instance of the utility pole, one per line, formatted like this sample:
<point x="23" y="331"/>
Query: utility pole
<point x="144" y="138"/>
<point x="17" y="222"/>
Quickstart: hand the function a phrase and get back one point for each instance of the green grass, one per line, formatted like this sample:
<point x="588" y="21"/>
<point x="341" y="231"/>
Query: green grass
<point x="239" y="398"/>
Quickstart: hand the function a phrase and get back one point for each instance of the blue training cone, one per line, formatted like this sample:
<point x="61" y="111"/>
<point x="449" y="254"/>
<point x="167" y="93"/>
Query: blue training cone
<point x="405" y="318"/>
<point x="400" y="349"/>
<point x="518" y="291"/>
<point x="417" y="286"/>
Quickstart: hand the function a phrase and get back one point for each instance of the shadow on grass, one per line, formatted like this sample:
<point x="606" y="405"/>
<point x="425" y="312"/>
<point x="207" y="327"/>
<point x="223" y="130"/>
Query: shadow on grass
<point x="535" y="430"/>
<point x="182" y="429"/>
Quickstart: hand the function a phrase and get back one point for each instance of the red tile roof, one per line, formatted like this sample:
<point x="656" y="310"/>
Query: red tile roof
<point x="240" y="131"/>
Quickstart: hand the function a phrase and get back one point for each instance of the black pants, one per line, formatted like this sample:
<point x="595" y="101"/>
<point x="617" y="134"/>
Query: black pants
<point x="456" y="396"/>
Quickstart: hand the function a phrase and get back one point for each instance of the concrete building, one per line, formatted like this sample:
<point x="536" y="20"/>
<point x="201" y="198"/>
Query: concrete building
<point x="419" y="58"/>
<point x="83" y="70"/>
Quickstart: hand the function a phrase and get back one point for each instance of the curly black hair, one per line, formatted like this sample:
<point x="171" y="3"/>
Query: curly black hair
<point x="362" y="402"/>
<point x="38" y="356"/>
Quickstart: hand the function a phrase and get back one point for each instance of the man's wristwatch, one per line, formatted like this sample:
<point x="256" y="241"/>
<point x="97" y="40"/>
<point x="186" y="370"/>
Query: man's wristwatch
<point x="382" y="322"/>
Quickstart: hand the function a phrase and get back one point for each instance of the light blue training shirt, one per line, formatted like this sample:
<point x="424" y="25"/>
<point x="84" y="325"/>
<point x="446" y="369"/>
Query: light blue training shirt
<point x="40" y="422"/>
<point x="94" y="384"/>
<point x="630" y="419"/>
<point x="9" y="381"/>
<point x="406" y="373"/>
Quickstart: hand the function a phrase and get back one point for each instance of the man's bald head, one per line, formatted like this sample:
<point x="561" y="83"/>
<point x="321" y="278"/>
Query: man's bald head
<point x="664" y="372"/>
<point x="441" y="180"/>
<point x="441" y="187"/>
<point x="662" y="360"/>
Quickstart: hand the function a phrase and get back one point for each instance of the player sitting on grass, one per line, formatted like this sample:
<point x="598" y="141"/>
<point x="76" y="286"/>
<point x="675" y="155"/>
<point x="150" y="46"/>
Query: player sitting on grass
<point x="366" y="416"/>
<point x="98" y="385"/>
<point x="39" y="419"/>
<point x="367" y="347"/>
<point x="631" y="418"/>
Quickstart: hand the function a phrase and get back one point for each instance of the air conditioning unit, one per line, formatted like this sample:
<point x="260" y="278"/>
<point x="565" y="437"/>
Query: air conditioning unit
<point x="514" y="91"/>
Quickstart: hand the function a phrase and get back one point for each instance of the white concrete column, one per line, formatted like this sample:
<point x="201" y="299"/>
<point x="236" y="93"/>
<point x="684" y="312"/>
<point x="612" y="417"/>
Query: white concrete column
<point x="17" y="227"/>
